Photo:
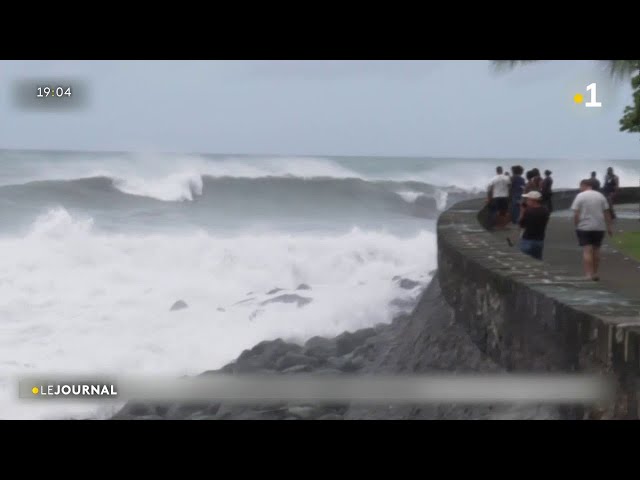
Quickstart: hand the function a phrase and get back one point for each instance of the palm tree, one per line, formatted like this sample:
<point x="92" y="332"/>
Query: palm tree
<point x="619" y="69"/>
<point x="622" y="69"/>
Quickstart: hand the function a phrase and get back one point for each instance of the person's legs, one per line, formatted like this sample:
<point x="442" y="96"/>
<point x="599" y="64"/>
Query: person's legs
<point x="610" y="197"/>
<point x="596" y="241"/>
<point x="596" y="262"/>
<point x="493" y="213"/>
<point x="515" y="211"/>
<point x="587" y="260"/>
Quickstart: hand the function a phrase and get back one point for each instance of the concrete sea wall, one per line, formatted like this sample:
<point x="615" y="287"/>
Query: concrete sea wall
<point x="528" y="315"/>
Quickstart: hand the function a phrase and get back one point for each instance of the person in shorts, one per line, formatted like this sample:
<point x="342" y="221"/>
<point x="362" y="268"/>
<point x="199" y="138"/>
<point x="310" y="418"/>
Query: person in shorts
<point x="498" y="198"/>
<point x="592" y="217"/>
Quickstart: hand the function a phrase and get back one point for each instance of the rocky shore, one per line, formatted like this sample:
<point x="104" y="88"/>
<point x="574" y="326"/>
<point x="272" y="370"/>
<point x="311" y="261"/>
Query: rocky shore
<point x="425" y="341"/>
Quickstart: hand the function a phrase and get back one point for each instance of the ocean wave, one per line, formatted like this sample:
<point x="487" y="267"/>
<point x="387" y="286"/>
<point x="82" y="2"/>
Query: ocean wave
<point x="75" y="299"/>
<point x="240" y="195"/>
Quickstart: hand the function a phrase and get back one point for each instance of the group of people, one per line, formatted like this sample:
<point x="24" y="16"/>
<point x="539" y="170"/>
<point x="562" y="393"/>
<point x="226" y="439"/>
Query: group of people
<point x="528" y="204"/>
<point x="506" y="200"/>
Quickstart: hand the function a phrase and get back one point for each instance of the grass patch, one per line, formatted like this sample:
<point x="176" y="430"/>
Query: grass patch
<point x="629" y="243"/>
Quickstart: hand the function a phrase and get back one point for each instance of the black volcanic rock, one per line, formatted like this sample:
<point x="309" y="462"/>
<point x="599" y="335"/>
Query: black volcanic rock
<point x="179" y="305"/>
<point x="347" y="341"/>
<point x="289" y="298"/>
<point x="320" y="347"/>
<point x="408" y="284"/>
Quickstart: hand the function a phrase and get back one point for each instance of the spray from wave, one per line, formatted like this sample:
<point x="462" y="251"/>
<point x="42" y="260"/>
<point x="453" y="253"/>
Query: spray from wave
<point x="77" y="300"/>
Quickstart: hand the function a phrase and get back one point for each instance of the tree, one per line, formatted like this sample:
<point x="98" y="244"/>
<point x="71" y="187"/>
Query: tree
<point x="630" y="122"/>
<point x="621" y="69"/>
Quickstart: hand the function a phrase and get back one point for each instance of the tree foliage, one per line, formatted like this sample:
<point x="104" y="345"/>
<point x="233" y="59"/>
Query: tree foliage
<point x="621" y="69"/>
<point x="630" y="122"/>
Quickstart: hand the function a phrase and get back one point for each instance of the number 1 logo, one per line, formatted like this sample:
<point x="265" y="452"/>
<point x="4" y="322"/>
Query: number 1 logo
<point x="593" y="103"/>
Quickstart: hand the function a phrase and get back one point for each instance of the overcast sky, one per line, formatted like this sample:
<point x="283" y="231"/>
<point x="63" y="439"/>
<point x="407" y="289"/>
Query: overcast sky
<point x="383" y="108"/>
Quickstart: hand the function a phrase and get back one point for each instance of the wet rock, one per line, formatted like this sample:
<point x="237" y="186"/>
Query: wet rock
<point x="320" y="347"/>
<point x="265" y="355"/>
<point x="408" y="284"/>
<point x="352" y="365"/>
<point x="179" y="305"/>
<point x="275" y="290"/>
<point x="347" y="341"/>
<point x="397" y="277"/>
<point x="403" y="304"/>
<point x="289" y="298"/>
<point x="298" y="369"/>
<point x="291" y="359"/>
<point x="135" y="410"/>
<point x="303" y="286"/>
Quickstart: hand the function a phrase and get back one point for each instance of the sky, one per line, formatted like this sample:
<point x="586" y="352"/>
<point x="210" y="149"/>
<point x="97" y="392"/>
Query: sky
<point x="434" y="108"/>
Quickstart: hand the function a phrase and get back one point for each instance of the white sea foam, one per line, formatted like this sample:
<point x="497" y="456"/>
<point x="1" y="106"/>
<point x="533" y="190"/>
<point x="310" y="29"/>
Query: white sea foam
<point x="76" y="300"/>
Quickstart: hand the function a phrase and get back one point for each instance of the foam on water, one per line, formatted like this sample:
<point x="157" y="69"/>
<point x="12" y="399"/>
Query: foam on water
<point x="76" y="300"/>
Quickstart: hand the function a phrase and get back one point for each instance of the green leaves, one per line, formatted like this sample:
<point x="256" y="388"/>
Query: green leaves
<point x="630" y="122"/>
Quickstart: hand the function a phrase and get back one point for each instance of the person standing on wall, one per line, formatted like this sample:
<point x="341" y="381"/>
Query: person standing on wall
<point x="546" y="190"/>
<point x="595" y="183"/>
<point x="498" y="198"/>
<point x="534" y="225"/>
<point x="517" y="187"/>
<point x="610" y="188"/>
<point x="591" y="216"/>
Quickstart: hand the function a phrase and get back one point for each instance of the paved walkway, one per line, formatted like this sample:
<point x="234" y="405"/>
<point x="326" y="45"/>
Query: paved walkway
<point x="617" y="271"/>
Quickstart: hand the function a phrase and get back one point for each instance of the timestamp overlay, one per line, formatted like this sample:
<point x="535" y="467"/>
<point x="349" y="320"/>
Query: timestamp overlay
<point x="58" y="94"/>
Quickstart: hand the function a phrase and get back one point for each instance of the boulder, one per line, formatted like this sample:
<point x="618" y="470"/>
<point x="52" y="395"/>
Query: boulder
<point x="179" y="305"/>
<point x="347" y="341"/>
<point x="408" y="284"/>
<point x="289" y="298"/>
<point x="275" y="290"/>
<point x="320" y="347"/>
<point x="291" y="359"/>
<point x="264" y="355"/>
<point x="303" y="286"/>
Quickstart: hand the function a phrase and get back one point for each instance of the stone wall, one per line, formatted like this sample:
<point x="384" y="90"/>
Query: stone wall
<point x="528" y="315"/>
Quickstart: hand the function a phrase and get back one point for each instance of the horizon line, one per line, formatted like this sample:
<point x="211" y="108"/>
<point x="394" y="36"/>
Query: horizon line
<point x="308" y="155"/>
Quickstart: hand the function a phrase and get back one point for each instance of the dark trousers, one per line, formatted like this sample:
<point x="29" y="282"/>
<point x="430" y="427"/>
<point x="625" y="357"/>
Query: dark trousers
<point x="515" y="211"/>
<point x="533" y="248"/>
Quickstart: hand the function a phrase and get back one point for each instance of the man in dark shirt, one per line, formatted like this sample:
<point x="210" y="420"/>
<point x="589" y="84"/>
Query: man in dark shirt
<point x="517" y="187"/>
<point x="546" y="190"/>
<point x="534" y="224"/>
<point x="595" y="183"/>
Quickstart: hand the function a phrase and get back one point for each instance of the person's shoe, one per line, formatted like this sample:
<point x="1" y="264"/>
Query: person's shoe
<point x="595" y="278"/>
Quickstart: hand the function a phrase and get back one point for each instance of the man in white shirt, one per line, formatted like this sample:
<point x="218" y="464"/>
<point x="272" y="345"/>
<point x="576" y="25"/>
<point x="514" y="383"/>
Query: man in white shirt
<point x="498" y="197"/>
<point x="592" y="217"/>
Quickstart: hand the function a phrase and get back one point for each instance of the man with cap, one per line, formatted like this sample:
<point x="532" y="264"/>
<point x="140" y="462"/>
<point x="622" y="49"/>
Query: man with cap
<point x="533" y="222"/>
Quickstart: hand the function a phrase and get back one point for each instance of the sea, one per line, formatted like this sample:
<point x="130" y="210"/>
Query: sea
<point x="95" y="248"/>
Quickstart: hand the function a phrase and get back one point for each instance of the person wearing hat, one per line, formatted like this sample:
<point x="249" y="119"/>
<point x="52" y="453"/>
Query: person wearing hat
<point x="546" y="191"/>
<point x="533" y="223"/>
